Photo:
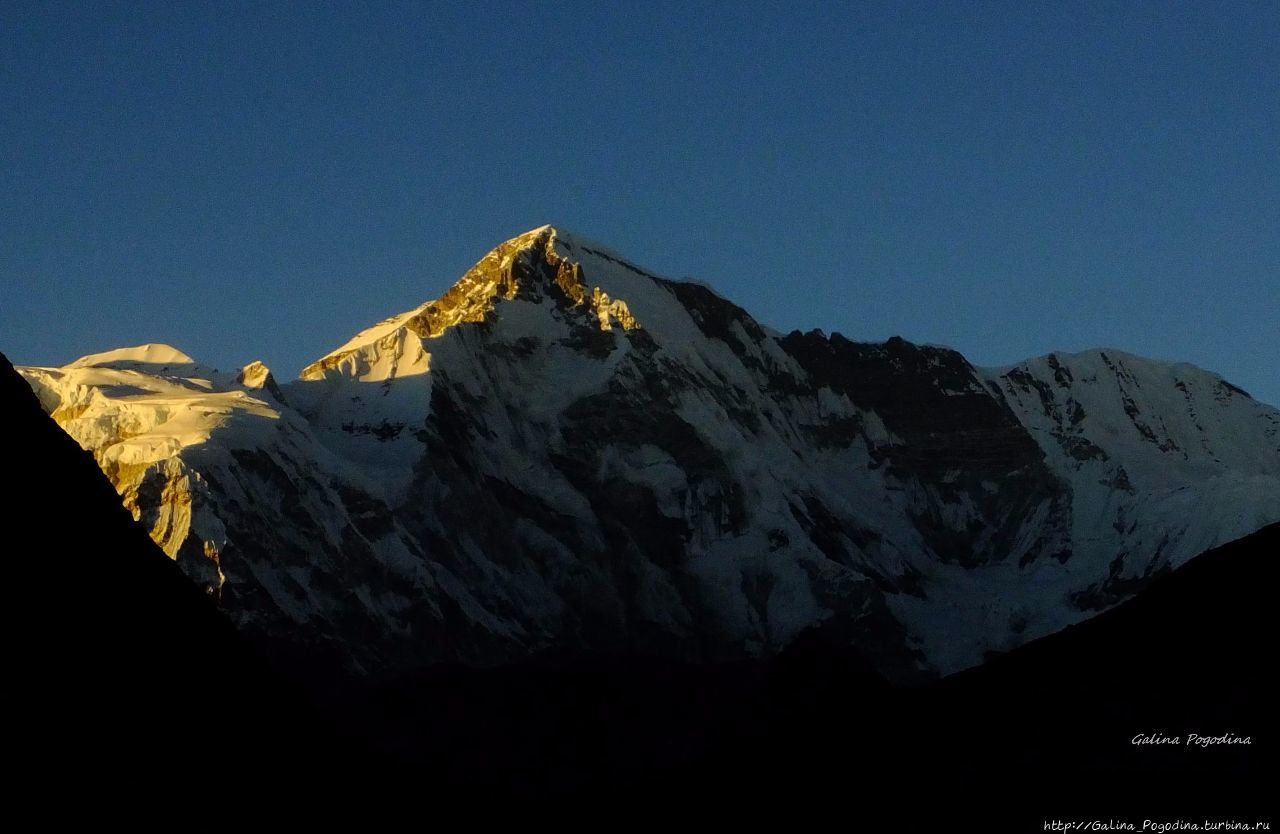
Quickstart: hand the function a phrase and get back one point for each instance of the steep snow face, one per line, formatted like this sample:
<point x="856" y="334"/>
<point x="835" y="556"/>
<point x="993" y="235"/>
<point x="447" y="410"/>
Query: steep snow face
<point x="231" y="483"/>
<point x="568" y="450"/>
<point x="137" y="424"/>
<point x="1165" y="460"/>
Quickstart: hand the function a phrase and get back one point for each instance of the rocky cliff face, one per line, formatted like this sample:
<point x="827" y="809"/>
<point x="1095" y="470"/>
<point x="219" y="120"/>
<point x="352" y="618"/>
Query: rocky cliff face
<point x="565" y="450"/>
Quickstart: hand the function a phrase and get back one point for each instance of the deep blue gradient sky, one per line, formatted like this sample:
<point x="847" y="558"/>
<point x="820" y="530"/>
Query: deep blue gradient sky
<point x="263" y="180"/>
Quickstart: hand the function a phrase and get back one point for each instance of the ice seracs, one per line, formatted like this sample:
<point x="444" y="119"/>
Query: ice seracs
<point x="146" y="413"/>
<point x="568" y="450"/>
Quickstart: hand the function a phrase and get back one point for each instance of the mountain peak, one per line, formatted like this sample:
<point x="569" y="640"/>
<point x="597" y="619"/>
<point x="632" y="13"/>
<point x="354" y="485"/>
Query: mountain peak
<point x="153" y="356"/>
<point x="531" y="470"/>
<point x="534" y="265"/>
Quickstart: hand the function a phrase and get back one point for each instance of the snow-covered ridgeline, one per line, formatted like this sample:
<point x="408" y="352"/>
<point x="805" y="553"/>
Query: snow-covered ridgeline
<point x="568" y="449"/>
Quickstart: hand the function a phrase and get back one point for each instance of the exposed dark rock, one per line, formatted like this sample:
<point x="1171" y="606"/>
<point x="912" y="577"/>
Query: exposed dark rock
<point x="956" y="437"/>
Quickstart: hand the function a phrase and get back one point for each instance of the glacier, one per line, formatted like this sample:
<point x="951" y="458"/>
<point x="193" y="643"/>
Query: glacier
<point x="567" y="450"/>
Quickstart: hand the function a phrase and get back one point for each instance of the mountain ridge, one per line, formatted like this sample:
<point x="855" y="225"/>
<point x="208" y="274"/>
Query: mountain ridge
<point x="1047" y="726"/>
<point x="565" y="448"/>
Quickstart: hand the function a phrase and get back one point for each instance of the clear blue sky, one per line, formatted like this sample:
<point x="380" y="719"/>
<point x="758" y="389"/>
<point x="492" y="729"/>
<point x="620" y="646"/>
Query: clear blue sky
<point x="263" y="180"/>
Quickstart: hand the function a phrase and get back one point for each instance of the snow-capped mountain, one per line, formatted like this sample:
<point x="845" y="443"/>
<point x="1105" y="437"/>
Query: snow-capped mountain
<point x="566" y="450"/>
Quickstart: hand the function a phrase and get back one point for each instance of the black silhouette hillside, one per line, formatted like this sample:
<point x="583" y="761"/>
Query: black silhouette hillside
<point x="114" y="657"/>
<point x="1041" y="733"/>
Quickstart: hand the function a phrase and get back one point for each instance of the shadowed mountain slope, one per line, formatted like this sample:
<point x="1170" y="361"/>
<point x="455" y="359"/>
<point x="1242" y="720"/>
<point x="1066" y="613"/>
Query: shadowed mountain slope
<point x="567" y="451"/>
<point x="115" y="654"/>
<point x="121" y="652"/>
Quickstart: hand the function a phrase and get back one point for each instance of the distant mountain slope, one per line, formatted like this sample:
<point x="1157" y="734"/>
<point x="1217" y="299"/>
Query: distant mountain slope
<point x="566" y="450"/>
<point x="117" y="661"/>
<point x="1045" y="732"/>
<point x="124" y="665"/>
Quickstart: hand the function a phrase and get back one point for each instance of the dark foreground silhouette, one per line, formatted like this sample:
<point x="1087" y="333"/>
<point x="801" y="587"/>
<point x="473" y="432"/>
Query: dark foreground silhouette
<point x="1045" y="732"/>
<point x="121" y="672"/>
<point x="118" y="668"/>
